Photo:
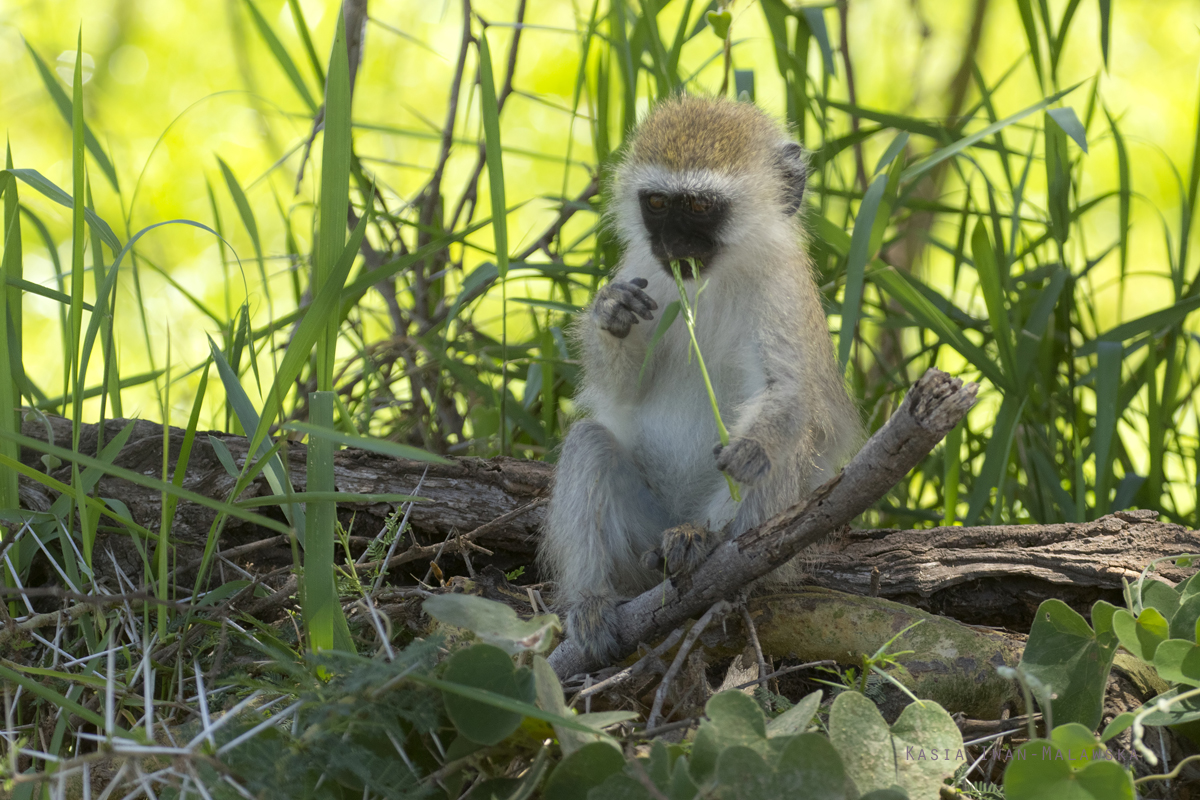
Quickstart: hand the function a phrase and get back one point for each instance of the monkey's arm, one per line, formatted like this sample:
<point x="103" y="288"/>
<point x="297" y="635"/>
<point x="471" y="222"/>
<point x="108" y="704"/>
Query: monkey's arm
<point x="774" y="420"/>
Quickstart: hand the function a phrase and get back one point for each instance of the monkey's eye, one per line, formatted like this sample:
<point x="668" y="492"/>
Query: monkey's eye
<point x="701" y="205"/>
<point x="657" y="201"/>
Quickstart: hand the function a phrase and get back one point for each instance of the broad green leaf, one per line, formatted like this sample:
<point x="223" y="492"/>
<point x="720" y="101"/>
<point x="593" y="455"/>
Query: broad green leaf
<point x="488" y="668"/>
<point x="1040" y="771"/>
<point x="1141" y="636"/>
<point x="1068" y="657"/>
<point x="877" y="757"/>
<point x="585" y="769"/>
<point x="1178" y="661"/>
<point x="494" y="623"/>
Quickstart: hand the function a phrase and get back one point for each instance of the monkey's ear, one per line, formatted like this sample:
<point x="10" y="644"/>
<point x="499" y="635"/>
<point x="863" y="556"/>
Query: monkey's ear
<point x="795" y="176"/>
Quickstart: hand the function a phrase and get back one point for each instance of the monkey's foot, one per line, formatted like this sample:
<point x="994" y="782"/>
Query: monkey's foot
<point x="619" y="304"/>
<point x="744" y="460"/>
<point x="592" y="624"/>
<point x="685" y="547"/>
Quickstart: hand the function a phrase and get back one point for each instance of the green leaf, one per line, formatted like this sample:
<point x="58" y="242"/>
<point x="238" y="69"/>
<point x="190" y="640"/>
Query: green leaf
<point x="1183" y="623"/>
<point x="250" y="420"/>
<point x="223" y="455"/>
<point x="1153" y="322"/>
<point x="991" y="284"/>
<point x="1178" y="661"/>
<point x="585" y="769"/>
<point x="35" y="180"/>
<point x="928" y="315"/>
<point x="938" y="156"/>
<point x="734" y="720"/>
<point x="1058" y="181"/>
<point x="381" y="446"/>
<point x="490" y="111"/>
<point x="494" y="623"/>
<point x="879" y="757"/>
<point x="815" y="17"/>
<point x="64" y="107"/>
<point x="1040" y="771"/>
<point x="483" y="666"/>
<point x="856" y="262"/>
<point x="664" y="323"/>
<point x="719" y="21"/>
<point x="796" y="719"/>
<point x="1143" y="635"/>
<point x="1068" y="657"/>
<point x="1066" y="119"/>
<point x="281" y="54"/>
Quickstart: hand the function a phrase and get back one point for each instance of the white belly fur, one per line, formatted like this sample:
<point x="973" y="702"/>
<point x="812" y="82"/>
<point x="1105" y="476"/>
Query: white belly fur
<point x="669" y="429"/>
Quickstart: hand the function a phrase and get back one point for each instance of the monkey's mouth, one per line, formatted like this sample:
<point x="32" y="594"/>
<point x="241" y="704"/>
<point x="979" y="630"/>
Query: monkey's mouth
<point x="701" y="254"/>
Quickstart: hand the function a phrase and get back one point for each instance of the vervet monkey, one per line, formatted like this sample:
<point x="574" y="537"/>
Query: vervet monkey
<point x="719" y="182"/>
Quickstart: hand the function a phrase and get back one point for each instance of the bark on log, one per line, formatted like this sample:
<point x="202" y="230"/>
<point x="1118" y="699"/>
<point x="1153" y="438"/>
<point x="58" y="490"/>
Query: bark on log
<point x="986" y="575"/>
<point x="462" y="496"/>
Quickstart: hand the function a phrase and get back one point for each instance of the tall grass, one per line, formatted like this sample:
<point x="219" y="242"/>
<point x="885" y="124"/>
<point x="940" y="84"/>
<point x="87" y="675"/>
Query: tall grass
<point x="420" y="322"/>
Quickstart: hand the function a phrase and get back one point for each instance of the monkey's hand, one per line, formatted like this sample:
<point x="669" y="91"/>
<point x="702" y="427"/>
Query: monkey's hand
<point x="590" y="622"/>
<point x="684" y="548"/>
<point x="619" y="304"/>
<point x="744" y="460"/>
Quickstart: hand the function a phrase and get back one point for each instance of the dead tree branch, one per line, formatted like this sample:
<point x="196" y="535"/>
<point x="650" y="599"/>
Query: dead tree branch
<point x="932" y="407"/>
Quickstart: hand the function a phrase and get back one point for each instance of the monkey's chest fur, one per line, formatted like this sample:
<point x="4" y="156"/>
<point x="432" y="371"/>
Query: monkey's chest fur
<point x="669" y="428"/>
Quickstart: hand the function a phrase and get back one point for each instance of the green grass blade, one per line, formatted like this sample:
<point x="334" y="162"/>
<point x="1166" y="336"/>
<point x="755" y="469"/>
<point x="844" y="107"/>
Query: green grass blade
<point x="35" y="180"/>
<point x="1108" y="383"/>
<point x="928" y="315"/>
<point x="323" y="617"/>
<point x="490" y="111"/>
<point x="938" y="156"/>
<point x="306" y="37"/>
<point x="313" y="321"/>
<point x="1066" y="119"/>
<point x="137" y="478"/>
<point x="856" y="264"/>
<point x="952" y="455"/>
<point x="990" y="283"/>
<point x="815" y="17"/>
<point x="1124" y="192"/>
<point x="243" y="207"/>
<point x="10" y="341"/>
<point x="1031" y="37"/>
<point x="61" y="702"/>
<point x="1105" y="28"/>
<point x="78" y="268"/>
<point x="281" y="54"/>
<point x="249" y="419"/>
<point x="665" y="320"/>
<point x="106" y="306"/>
<point x="381" y="446"/>
<point x="335" y="192"/>
<point x="64" y="105"/>
<point x="1152" y="322"/>
<point x="995" y="458"/>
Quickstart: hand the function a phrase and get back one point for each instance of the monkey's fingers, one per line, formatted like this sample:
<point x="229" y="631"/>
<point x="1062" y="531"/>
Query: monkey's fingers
<point x="744" y="460"/>
<point x="635" y="299"/>
<point x="685" y="547"/>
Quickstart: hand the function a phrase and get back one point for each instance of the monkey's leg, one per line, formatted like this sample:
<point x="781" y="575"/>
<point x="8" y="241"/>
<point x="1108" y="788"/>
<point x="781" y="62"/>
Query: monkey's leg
<point x="602" y="517"/>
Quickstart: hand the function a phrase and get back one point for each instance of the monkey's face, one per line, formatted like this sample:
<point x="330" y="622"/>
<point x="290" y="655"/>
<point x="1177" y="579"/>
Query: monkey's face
<point x="683" y="225"/>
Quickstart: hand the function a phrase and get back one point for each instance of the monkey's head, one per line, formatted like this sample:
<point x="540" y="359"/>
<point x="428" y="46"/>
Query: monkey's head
<point x="702" y="175"/>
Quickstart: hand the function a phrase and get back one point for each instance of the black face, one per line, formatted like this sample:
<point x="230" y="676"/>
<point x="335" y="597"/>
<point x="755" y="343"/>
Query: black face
<point x="683" y="226"/>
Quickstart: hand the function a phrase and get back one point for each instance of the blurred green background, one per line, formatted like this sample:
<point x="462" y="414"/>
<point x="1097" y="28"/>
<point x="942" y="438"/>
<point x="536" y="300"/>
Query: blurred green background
<point x="171" y="87"/>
